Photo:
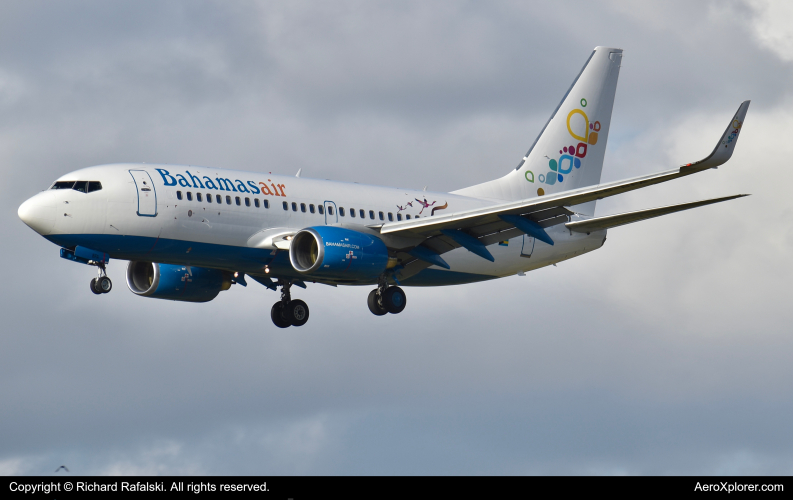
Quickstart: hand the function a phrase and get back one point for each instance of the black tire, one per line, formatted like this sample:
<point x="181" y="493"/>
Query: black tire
<point x="394" y="300"/>
<point x="276" y="314"/>
<point x="374" y="306"/>
<point x="93" y="287"/>
<point x="104" y="285"/>
<point x="297" y="312"/>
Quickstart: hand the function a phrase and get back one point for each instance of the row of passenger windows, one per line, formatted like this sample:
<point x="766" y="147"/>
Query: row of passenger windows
<point x="361" y="213"/>
<point x="81" y="186"/>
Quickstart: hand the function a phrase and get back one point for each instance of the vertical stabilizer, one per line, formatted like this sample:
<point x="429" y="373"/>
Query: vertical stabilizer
<point x="569" y="151"/>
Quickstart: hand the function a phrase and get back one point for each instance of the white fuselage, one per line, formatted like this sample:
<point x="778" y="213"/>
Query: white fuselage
<point x="237" y="230"/>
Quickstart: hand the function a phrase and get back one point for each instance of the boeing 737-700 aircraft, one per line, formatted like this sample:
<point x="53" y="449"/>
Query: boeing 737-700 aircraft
<point x="190" y="232"/>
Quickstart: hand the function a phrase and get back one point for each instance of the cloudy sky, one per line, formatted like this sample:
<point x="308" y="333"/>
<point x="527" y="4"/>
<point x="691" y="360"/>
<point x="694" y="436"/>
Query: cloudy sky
<point x="665" y="352"/>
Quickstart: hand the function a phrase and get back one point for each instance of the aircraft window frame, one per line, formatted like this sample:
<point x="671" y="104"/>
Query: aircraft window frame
<point x="303" y="207"/>
<point x="94" y="186"/>
<point x="256" y="203"/>
<point x="321" y="209"/>
<point x="189" y="196"/>
<point x="219" y="199"/>
<point x="238" y="201"/>
<point x="371" y="214"/>
<point x="362" y="213"/>
<point x="341" y="211"/>
<point x="266" y="203"/>
<point x="312" y="208"/>
<point x="198" y="197"/>
<point x="330" y="209"/>
<point x="390" y="217"/>
<point x="178" y="195"/>
<point x="209" y="198"/>
<point x="286" y="206"/>
<point x="228" y="200"/>
<point x="380" y="214"/>
<point x="352" y="213"/>
<point x="247" y="201"/>
<point x="63" y="185"/>
<point x="399" y="217"/>
<point x="294" y="206"/>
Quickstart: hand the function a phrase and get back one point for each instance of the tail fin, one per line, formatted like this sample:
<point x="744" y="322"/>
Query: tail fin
<point x="569" y="151"/>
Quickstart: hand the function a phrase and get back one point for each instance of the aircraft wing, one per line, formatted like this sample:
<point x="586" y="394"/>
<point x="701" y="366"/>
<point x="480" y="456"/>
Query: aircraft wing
<point x="477" y="228"/>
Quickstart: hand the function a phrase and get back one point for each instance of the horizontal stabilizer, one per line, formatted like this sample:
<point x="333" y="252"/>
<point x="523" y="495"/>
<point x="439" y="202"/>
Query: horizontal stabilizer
<point x="599" y="223"/>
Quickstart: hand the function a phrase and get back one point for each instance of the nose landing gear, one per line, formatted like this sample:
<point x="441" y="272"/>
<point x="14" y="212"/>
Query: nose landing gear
<point x="288" y="312"/>
<point x="101" y="284"/>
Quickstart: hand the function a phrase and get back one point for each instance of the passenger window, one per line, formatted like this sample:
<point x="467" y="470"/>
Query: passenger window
<point x="352" y="212"/>
<point x="321" y="209"/>
<point x="371" y="214"/>
<point x="341" y="211"/>
<point x="94" y="186"/>
<point x="198" y="197"/>
<point x="390" y="216"/>
<point x="303" y="207"/>
<point x="248" y="202"/>
<point x="218" y="199"/>
<point x="286" y="206"/>
<point x="407" y="216"/>
<point x="311" y="208"/>
<point x="416" y="217"/>
<point x="399" y="216"/>
<point x="237" y="199"/>
<point x="330" y="210"/>
<point x="178" y="195"/>
<point x="256" y="202"/>
<point x="266" y="203"/>
<point x="189" y="196"/>
<point x="209" y="198"/>
<point x="381" y="215"/>
<point x="361" y="213"/>
<point x="294" y="206"/>
<point x="80" y="186"/>
<point x="228" y="200"/>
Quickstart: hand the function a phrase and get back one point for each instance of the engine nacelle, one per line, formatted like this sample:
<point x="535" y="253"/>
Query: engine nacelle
<point x="183" y="283"/>
<point x="338" y="253"/>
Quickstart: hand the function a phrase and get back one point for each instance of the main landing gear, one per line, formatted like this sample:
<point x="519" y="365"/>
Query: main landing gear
<point x="386" y="299"/>
<point x="102" y="283"/>
<point x="288" y="312"/>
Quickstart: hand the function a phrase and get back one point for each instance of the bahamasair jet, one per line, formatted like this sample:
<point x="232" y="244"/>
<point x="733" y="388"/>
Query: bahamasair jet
<point x="190" y="232"/>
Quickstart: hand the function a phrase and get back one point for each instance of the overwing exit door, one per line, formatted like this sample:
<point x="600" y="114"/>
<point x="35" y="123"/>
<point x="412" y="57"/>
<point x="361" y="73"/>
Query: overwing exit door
<point x="147" y="196"/>
<point x="331" y="217"/>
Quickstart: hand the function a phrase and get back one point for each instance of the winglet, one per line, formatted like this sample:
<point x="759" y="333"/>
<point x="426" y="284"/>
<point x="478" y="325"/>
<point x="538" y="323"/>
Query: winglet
<point x="726" y="145"/>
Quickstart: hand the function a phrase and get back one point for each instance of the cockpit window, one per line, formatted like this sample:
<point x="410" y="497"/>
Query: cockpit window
<point x="81" y="186"/>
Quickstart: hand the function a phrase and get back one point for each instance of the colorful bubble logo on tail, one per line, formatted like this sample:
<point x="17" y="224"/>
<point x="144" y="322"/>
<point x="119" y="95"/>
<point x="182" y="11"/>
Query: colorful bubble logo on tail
<point x="570" y="156"/>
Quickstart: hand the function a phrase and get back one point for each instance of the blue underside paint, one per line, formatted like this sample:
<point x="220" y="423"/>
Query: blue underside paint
<point x="227" y="257"/>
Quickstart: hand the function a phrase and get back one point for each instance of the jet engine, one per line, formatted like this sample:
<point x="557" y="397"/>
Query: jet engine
<point x="338" y="253"/>
<point x="182" y="283"/>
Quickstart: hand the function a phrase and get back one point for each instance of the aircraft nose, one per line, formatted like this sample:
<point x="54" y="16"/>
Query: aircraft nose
<point x="38" y="213"/>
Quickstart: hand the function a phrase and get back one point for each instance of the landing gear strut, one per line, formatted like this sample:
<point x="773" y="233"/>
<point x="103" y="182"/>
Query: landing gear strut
<point x="386" y="299"/>
<point x="102" y="283"/>
<point x="288" y="312"/>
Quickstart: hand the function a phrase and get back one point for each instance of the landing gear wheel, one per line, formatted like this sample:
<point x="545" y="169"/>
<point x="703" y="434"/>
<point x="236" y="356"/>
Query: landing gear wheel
<point x="297" y="312"/>
<point x="374" y="305"/>
<point x="394" y="299"/>
<point x="93" y="287"/>
<point x="103" y="284"/>
<point x="276" y="314"/>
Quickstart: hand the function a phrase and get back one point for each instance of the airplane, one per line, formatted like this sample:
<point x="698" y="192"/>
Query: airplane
<point x="190" y="232"/>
